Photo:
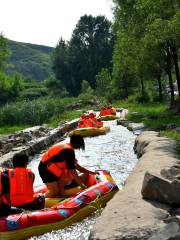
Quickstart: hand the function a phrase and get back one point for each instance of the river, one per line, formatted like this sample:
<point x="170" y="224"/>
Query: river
<point x="114" y="152"/>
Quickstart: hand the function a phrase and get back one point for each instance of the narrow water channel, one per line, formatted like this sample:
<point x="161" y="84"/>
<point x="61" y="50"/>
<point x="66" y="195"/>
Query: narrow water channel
<point x="114" y="152"/>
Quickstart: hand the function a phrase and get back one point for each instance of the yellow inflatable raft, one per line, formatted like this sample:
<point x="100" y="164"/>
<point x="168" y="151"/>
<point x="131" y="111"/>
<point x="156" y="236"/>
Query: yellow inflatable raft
<point x="108" y="117"/>
<point x="89" y="131"/>
<point x="63" y="212"/>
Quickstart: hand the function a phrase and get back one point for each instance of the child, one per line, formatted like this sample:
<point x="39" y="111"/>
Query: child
<point x="58" y="167"/>
<point x="21" y="179"/>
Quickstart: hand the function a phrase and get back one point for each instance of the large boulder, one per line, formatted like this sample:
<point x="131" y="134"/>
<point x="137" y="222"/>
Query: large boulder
<point x="159" y="189"/>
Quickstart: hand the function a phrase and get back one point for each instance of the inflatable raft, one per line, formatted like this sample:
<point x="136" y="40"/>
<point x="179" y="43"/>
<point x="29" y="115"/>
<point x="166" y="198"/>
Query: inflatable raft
<point x="89" y="131"/>
<point x="108" y="117"/>
<point x="62" y="213"/>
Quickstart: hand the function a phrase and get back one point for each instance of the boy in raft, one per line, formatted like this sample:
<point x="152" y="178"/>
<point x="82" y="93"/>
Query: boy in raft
<point x="58" y="167"/>
<point x="20" y="185"/>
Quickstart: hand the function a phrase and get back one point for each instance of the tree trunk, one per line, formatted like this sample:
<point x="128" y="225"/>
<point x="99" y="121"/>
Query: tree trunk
<point x="171" y="85"/>
<point x="175" y="59"/>
<point x="160" y="88"/>
<point x="142" y="86"/>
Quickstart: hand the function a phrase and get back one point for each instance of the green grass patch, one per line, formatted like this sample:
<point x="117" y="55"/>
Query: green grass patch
<point x="12" y="129"/>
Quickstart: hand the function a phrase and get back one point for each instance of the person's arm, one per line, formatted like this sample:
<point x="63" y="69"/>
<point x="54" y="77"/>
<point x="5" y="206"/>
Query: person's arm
<point x="78" y="179"/>
<point x="84" y="170"/>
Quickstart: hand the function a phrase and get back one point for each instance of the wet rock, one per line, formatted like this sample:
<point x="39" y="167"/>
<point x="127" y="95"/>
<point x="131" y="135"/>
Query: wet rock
<point x="159" y="189"/>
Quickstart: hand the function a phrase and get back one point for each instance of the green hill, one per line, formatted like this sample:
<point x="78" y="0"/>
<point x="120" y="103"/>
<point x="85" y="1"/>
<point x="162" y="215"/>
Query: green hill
<point x="30" y="60"/>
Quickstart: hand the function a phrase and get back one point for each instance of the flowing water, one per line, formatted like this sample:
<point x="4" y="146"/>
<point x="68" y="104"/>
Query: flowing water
<point x="114" y="152"/>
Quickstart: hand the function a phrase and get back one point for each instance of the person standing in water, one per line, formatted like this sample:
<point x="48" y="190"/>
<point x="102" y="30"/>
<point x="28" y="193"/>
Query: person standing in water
<point x="58" y="167"/>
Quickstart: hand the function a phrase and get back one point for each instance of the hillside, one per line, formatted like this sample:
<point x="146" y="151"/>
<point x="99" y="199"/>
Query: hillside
<point x="30" y="60"/>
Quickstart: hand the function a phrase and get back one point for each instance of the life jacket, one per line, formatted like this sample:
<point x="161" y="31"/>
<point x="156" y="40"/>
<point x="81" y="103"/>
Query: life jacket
<point x="109" y="111"/>
<point x="95" y="121"/>
<point x="104" y="112"/>
<point x="3" y="199"/>
<point x="81" y="124"/>
<point x="21" y="186"/>
<point x="58" y="169"/>
<point x="88" y="122"/>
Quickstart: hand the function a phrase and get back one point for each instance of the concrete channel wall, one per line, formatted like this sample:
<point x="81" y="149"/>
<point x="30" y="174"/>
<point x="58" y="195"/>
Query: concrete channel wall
<point x="128" y="216"/>
<point x="40" y="143"/>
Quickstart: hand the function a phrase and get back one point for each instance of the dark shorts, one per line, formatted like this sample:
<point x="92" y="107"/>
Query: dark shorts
<point x="38" y="203"/>
<point x="46" y="175"/>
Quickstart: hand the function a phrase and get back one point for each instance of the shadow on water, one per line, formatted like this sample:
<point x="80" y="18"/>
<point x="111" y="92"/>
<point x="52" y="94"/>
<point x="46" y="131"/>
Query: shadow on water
<point x="113" y="152"/>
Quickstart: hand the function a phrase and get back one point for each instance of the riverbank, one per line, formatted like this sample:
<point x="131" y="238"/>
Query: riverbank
<point x="128" y="215"/>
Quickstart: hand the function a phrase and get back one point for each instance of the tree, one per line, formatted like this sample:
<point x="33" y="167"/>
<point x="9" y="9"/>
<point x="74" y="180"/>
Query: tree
<point x="4" y="52"/>
<point x="103" y="82"/>
<point x="90" y="48"/>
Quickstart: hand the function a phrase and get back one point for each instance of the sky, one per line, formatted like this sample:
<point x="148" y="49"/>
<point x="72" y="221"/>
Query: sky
<point x="44" y="22"/>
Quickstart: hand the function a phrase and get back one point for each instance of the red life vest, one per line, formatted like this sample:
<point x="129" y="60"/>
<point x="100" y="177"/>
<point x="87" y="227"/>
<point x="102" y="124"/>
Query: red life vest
<point x="81" y="124"/>
<point x="58" y="169"/>
<point x="3" y="199"/>
<point x="21" y="186"/>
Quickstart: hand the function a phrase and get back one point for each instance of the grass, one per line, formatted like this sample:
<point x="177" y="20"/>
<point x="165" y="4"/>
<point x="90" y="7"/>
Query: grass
<point x="12" y="129"/>
<point x="156" y="116"/>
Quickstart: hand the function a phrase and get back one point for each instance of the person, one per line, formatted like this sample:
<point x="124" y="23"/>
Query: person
<point x="4" y="202"/>
<point x="96" y="121"/>
<point x="58" y="167"/>
<point x="20" y="185"/>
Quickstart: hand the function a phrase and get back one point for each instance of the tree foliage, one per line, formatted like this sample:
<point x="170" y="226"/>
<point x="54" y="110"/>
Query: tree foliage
<point x="147" y="44"/>
<point x="89" y="50"/>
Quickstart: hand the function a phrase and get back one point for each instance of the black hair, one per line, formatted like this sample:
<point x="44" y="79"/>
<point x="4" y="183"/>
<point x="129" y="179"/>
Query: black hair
<point x="20" y="160"/>
<point x="77" y="141"/>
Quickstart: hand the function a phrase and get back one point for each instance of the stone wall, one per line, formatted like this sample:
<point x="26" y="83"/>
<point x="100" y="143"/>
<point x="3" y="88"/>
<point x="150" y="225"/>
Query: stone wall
<point x="36" y="143"/>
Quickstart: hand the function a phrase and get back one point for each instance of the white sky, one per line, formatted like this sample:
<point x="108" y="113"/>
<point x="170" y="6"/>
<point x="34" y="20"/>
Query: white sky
<point x="46" y="21"/>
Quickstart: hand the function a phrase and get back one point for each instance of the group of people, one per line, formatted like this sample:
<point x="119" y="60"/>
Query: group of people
<point x="89" y="120"/>
<point x="107" y="110"/>
<point x="58" y="169"/>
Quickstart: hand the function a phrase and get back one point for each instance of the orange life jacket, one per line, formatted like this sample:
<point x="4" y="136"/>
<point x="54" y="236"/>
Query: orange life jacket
<point x="109" y="111"/>
<point x="88" y="122"/>
<point x="3" y="199"/>
<point x="58" y="169"/>
<point x="21" y="186"/>
<point x="81" y="124"/>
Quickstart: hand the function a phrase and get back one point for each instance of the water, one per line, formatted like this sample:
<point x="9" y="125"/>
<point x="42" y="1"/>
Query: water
<point x="114" y="152"/>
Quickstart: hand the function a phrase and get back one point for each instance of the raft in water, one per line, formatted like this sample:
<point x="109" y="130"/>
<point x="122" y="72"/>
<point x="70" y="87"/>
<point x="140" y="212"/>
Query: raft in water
<point x="108" y="117"/>
<point x="63" y="212"/>
<point x="89" y="131"/>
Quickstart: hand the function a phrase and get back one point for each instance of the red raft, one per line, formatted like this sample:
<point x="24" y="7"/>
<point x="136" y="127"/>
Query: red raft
<point x="62" y="213"/>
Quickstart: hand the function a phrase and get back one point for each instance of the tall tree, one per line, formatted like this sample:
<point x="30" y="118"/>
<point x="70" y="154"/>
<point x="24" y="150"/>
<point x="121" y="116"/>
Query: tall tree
<point x="90" y="48"/>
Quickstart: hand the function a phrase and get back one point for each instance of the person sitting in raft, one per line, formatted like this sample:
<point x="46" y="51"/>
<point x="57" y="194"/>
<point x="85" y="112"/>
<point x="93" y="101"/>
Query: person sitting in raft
<point x="85" y="122"/>
<point x="103" y="112"/>
<point x="96" y="121"/>
<point x="4" y="201"/>
<point x="20" y="185"/>
<point x="58" y="167"/>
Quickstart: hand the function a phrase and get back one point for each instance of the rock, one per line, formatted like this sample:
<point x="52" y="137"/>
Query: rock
<point x="171" y="173"/>
<point x="136" y="126"/>
<point x="170" y="232"/>
<point x="177" y="129"/>
<point x="159" y="189"/>
<point x="7" y="148"/>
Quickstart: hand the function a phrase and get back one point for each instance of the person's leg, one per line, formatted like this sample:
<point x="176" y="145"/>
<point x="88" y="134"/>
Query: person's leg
<point x="52" y="190"/>
<point x="61" y="188"/>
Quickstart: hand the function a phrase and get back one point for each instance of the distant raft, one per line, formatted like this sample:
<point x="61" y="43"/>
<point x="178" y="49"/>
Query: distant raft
<point x="108" y="117"/>
<point x="89" y="131"/>
<point x="63" y="212"/>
